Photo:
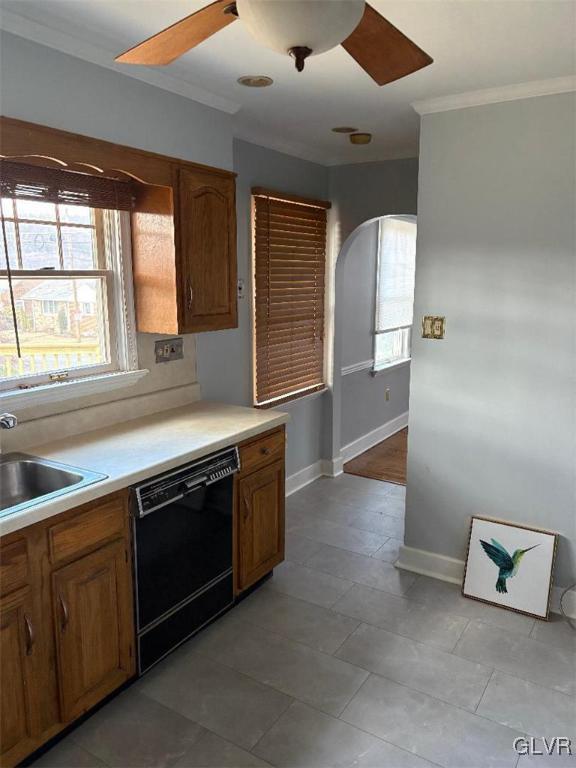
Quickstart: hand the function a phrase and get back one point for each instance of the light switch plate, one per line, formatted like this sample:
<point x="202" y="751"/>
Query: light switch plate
<point x="433" y="327"/>
<point x="169" y="349"/>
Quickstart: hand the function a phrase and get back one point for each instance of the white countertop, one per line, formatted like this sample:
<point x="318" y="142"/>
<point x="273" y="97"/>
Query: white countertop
<point x="135" y="450"/>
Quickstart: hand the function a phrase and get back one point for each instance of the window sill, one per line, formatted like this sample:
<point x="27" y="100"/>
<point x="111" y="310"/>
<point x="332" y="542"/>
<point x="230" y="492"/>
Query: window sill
<point x="390" y="366"/>
<point x="52" y="393"/>
<point x="289" y="399"/>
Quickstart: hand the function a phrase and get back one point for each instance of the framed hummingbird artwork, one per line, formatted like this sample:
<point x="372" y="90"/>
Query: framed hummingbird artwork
<point x="510" y="565"/>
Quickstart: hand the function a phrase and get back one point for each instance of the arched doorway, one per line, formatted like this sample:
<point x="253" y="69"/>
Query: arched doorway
<point x="370" y="371"/>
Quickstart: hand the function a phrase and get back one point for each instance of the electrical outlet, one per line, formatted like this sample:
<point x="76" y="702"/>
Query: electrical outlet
<point x="167" y="350"/>
<point x="241" y="289"/>
<point x="387" y="395"/>
<point x="433" y="327"/>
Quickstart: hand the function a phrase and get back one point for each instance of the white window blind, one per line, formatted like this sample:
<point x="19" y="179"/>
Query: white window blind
<point x="395" y="291"/>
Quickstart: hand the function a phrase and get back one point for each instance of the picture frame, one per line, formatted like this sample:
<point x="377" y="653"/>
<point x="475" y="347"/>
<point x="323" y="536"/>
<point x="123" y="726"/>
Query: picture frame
<point x="510" y="565"/>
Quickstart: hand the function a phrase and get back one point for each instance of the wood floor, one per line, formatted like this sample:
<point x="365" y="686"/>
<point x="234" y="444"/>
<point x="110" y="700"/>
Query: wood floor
<point x="386" y="461"/>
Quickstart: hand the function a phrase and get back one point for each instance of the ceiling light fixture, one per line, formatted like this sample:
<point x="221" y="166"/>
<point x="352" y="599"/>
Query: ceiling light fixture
<point x="360" y="138"/>
<point x="255" y="81"/>
<point x="344" y="129"/>
<point x="302" y="28"/>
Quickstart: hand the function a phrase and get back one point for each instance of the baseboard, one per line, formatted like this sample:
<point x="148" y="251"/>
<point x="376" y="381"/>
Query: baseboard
<point x="322" y="468"/>
<point x="356" y="447"/>
<point x="449" y="569"/>
<point x="335" y="466"/>
<point x="304" y="477"/>
<point x="430" y="564"/>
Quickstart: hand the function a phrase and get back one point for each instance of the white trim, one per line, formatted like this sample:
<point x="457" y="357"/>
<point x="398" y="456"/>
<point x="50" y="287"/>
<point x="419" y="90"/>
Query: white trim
<point x="390" y="366"/>
<point x="355" y="367"/>
<point x="321" y="468"/>
<point x="452" y="570"/>
<point x="305" y="396"/>
<point x="335" y="466"/>
<point x="96" y="54"/>
<point x="64" y="390"/>
<point x="503" y="93"/>
<point x="304" y="477"/>
<point x="430" y="564"/>
<point x="356" y="447"/>
<point x="119" y="320"/>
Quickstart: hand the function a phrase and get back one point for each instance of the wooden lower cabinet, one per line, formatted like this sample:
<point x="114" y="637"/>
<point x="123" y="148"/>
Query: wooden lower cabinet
<point x="92" y="607"/>
<point x="260" y="510"/>
<point x="17" y="717"/>
<point x="66" y="630"/>
<point x="66" y="599"/>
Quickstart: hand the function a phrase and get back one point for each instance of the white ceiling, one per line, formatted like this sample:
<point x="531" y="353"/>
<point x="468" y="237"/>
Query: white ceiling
<point x="476" y="44"/>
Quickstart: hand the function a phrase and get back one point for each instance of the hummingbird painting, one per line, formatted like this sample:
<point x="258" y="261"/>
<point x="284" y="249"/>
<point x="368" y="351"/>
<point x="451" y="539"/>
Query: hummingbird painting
<point x="507" y="564"/>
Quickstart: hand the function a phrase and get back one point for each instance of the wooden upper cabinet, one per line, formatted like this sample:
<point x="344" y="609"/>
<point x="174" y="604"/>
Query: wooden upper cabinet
<point x="183" y="225"/>
<point x="17" y="727"/>
<point x="205" y="225"/>
<point x="92" y="606"/>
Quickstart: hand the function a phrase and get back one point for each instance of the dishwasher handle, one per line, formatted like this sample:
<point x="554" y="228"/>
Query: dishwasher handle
<point x="194" y="483"/>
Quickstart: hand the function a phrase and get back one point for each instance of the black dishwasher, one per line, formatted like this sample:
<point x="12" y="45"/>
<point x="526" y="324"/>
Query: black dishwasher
<point x="182" y="526"/>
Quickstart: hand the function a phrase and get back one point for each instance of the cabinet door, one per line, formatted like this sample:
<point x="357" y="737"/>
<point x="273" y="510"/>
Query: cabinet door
<point x="18" y="684"/>
<point x="206" y="240"/>
<point x="94" y="626"/>
<point x="261" y="523"/>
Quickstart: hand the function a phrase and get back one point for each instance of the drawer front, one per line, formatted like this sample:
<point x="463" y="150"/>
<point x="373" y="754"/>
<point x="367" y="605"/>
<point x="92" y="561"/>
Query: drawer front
<point x="14" y="566"/>
<point x="91" y="527"/>
<point x="261" y="451"/>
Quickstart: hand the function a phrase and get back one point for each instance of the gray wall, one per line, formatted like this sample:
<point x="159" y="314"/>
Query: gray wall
<point x="361" y="193"/>
<point x="359" y="295"/>
<point x="364" y="404"/>
<point x="365" y="191"/>
<point x="44" y="86"/>
<point x="492" y="407"/>
<point x="225" y="357"/>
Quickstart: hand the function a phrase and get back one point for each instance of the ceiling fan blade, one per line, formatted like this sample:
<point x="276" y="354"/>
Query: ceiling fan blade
<point x="382" y="51"/>
<point x="175" y="40"/>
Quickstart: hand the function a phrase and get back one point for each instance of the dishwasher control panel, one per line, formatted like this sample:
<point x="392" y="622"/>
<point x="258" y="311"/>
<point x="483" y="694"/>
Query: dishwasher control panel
<point x="171" y="486"/>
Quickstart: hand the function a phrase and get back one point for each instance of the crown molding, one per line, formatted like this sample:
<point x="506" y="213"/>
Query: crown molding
<point x="65" y="43"/>
<point x="503" y="93"/>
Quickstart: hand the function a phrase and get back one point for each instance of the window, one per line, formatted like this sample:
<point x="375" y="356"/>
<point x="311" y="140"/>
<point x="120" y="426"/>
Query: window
<point x="65" y="281"/>
<point x="289" y="279"/>
<point x="49" y="307"/>
<point x="395" y="291"/>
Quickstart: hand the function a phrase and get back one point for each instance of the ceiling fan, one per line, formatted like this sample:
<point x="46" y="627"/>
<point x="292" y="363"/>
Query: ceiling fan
<point x="300" y="28"/>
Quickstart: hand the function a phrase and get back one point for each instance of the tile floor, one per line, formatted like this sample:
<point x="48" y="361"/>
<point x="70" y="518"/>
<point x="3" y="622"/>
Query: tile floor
<point x="342" y="660"/>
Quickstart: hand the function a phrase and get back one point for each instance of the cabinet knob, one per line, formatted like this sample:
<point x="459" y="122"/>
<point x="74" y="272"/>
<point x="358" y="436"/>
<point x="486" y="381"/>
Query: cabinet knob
<point x="265" y="451"/>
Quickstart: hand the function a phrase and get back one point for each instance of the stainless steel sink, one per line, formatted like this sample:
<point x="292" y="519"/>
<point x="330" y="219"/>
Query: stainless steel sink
<point x="27" y="480"/>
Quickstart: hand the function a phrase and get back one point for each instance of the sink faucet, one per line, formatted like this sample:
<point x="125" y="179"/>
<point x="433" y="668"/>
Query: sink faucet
<point x="8" y="421"/>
